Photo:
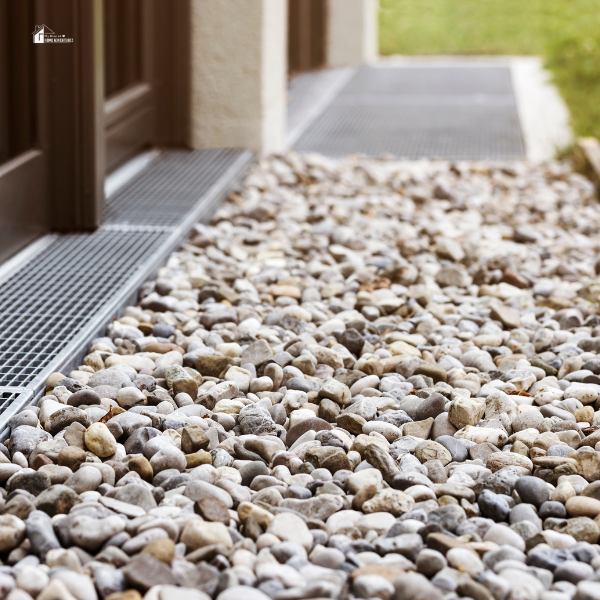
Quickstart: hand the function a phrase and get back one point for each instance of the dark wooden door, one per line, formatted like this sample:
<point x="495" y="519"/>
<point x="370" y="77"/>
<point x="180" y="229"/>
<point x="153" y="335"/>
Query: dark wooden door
<point x="306" y="34"/>
<point x="22" y="170"/>
<point x="128" y="78"/>
<point x="71" y="111"/>
<point x="51" y="164"/>
<point x="145" y="62"/>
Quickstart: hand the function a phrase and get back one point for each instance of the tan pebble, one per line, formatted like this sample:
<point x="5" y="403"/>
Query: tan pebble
<point x="53" y="380"/>
<point x="563" y="492"/>
<point x="582" y="506"/>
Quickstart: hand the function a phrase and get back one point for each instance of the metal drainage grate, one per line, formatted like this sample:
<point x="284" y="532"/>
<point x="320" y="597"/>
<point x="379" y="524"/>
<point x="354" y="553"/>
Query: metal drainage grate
<point x="442" y="81"/>
<point x="47" y="303"/>
<point x="449" y="112"/>
<point x="309" y="95"/>
<point x="65" y="294"/>
<point x="168" y="188"/>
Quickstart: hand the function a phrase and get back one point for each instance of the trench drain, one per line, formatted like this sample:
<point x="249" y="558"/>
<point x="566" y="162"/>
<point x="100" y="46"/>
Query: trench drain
<point x="67" y="291"/>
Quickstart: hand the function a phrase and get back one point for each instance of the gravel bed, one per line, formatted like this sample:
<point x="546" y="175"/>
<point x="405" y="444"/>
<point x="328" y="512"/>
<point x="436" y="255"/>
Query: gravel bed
<point x="366" y="379"/>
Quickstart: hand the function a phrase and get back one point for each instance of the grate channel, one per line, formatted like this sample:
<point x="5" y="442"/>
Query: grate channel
<point x="443" y="81"/>
<point x="309" y="94"/>
<point x="65" y="293"/>
<point x="163" y="194"/>
<point x="412" y="112"/>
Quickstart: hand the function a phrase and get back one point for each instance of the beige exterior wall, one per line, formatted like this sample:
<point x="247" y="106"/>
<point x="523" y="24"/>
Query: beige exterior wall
<point x="274" y="74"/>
<point x="239" y="74"/>
<point x="352" y="30"/>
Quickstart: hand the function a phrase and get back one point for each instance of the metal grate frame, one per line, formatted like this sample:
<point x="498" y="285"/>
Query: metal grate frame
<point x="309" y="95"/>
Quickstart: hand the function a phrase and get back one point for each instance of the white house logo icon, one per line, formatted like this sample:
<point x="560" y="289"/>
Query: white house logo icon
<point x="44" y="35"/>
<point x="39" y="33"/>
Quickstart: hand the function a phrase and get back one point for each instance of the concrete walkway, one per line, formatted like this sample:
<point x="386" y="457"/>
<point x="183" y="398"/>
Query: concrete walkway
<point x="439" y="107"/>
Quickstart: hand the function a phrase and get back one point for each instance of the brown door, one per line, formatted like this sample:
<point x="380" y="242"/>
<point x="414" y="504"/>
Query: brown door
<point x="145" y="48"/>
<point x="116" y="83"/>
<point x="128" y="89"/>
<point x="22" y="170"/>
<point x="51" y="165"/>
<point x="306" y="34"/>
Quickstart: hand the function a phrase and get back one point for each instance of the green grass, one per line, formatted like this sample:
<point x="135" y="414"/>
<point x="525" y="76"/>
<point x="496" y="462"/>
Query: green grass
<point x="566" y="33"/>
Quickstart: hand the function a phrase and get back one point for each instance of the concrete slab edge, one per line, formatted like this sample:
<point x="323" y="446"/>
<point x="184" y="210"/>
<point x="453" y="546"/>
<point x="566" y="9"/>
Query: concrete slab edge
<point x="543" y="113"/>
<point x="587" y="159"/>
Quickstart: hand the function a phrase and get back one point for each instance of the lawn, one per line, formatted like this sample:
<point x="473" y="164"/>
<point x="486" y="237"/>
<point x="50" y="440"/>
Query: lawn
<point x="566" y="33"/>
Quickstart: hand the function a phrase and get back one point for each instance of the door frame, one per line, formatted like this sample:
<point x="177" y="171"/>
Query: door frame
<point x="74" y="114"/>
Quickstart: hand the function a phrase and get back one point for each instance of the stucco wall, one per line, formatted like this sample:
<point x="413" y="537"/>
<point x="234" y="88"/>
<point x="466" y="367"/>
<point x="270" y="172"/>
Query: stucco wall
<point x="238" y="79"/>
<point x="352" y="31"/>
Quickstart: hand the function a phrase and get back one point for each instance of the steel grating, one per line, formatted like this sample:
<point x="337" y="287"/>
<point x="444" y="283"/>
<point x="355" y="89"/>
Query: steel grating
<point x="65" y="293"/>
<point x="45" y="304"/>
<point x="447" y="80"/>
<point x="178" y="178"/>
<point x="451" y="112"/>
<point x="309" y="94"/>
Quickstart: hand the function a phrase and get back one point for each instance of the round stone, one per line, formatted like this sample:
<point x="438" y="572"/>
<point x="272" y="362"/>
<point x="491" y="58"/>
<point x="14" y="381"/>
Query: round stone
<point x="100" y="440"/>
<point x="130" y="396"/>
<point x="532" y="490"/>
<point x="12" y="532"/>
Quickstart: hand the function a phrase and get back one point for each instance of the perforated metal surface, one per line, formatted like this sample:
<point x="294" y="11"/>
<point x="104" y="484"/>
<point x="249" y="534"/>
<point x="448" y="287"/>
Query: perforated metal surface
<point x="309" y="95"/>
<point x="450" y="112"/>
<point x="45" y="304"/>
<point x="163" y="193"/>
<point x="66" y="293"/>
<point x="12" y="400"/>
